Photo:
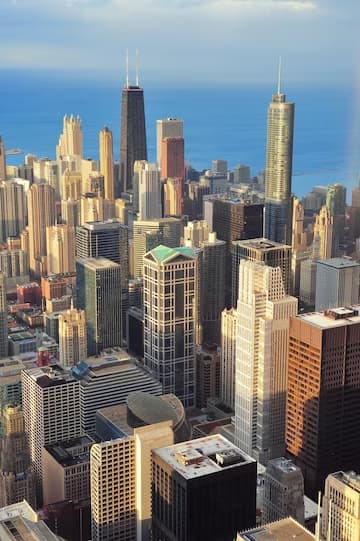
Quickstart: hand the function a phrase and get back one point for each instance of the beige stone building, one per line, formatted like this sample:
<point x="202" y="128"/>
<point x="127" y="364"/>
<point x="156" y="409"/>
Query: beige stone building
<point x="341" y="507"/>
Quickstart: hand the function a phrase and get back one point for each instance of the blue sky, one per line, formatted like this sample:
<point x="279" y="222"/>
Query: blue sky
<point x="192" y="40"/>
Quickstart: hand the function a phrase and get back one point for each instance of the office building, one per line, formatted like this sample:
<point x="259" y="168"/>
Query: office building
<point x="169" y="232"/>
<point x="337" y="283"/>
<point x="228" y="357"/>
<point x="172" y="163"/>
<point x="212" y="287"/>
<point x="261" y="360"/>
<point x="41" y="214"/>
<point x="207" y="374"/>
<point x="324" y="229"/>
<point x="196" y="232"/>
<point x="70" y="212"/>
<point x="193" y="199"/>
<point x="71" y="185"/>
<point x="271" y="253"/>
<point x="149" y="192"/>
<point x="51" y="397"/>
<point x="14" y="264"/>
<point x="2" y="160"/>
<point x="12" y="209"/>
<point x="299" y="246"/>
<point x="171" y="319"/>
<point x="3" y="317"/>
<point x="16" y="479"/>
<point x="173" y="197"/>
<point x="107" y="381"/>
<point x="60" y="248"/>
<point x="341" y="507"/>
<point x="121" y="506"/>
<point x="72" y="337"/>
<point x="283" y="491"/>
<point x="67" y="467"/>
<point x="209" y="486"/>
<point x="219" y="166"/>
<point x="168" y="127"/>
<point x="323" y="394"/>
<point x="98" y="293"/>
<point x="20" y="522"/>
<point x="94" y="208"/>
<point x="336" y="205"/>
<point x="242" y="174"/>
<point x="282" y="530"/>
<point x="133" y="133"/>
<point x="71" y="138"/>
<point x="279" y="154"/>
<point x="107" y="162"/>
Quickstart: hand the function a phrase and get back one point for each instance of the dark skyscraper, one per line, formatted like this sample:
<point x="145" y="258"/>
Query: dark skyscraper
<point x="279" y="151"/>
<point x="133" y="132"/>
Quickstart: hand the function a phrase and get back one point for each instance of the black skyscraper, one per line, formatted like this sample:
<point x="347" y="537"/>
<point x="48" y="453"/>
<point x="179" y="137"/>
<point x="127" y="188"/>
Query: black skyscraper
<point x="133" y="133"/>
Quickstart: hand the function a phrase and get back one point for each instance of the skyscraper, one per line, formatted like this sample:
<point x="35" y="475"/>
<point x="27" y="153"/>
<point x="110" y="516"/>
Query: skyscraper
<point x="149" y="192"/>
<point x="261" y="360"/>
<point x="3" y="317"/>
<point x="337" y="283"/>
<point x="279" y="152"/>
<point x="60" y="247"/>
<point x="98" y="288"/>
<point x="172" y="157"/>
<point x="41" y="214"/>
<point x="107" y="161"/>
<point x="323" y="398"/>
<point x="133" y="132"/>
<point x="170" y="320"/>
<point x="71" y="139"/>
<point x="324" y="229"/>
<point x="2" y="160"/>
<point x="228" y="356"/>
<point x="94" y="208"/>
<point x="12" y="210"/>
<point x="72" y="337"/>
<point x="336" y="204"/>
<point x="167" y="127"/>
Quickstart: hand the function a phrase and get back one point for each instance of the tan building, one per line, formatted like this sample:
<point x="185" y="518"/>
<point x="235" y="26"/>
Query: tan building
<point x="107" y="161"/>
<point x="67" y="467"/>
<point x="71" y="139"/>
<point x="12" y="209"/>
<point x="41" y="214"/>
<point x="72" y="337"/>
<point x="71" y="185"/>
<point x="2" y="160"/>
<point x="283" y="530"/>
<point x="324" y="224"/>
<point x="196" y="232"/>
<point x="19" y="522"/>
<point x="70" y="212"/>
<point x="228" y="356"/>
<point x="262" y="337"/>
<point x="299" y="246"/>
<point x="60" y="247"/>
<point x="341" y="507"/>
<point x="173" y="197"/>
<point x="94" y="208"/>
<point x="120" y="473"/>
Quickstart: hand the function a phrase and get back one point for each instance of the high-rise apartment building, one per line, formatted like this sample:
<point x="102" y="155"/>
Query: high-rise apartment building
<point x="98" y="288"/>
<point x="341" y="507"/>
<point x="322" y="432"/>
<point x="263" y="311"/>
<point x="133" y="133"/>
<point x="172" y="157"/>
<point x="70" y="212"/>
<point x="60" y="249"/>
<point x="107" y="162"/>
<point x="228" y="356"/>
<point x="171" y="318"/>
<point x="173" y="197"/>
<point x="51" y="397"/>
<point x="324" y="229"/>
<point x="71" y="186"/>
<point x="3" y="317"/>
<point x="269" y="252"/>
<point x="14" y="264"/>
<point x="283" y="491"/>
<point x="336" y="205"/>
<point x="72" y="337"/>
<point x="169" y="233"/>
<point x="12" y="209"/>
<point x="209" y="486"/>
<point x="337" y="283"/>
<point x="279" y="154"/>
<point x="71" y="138"/>
<point x="196" y="232"/>
<point x="2" y="160"/>
<point x="167" y="127"/>
<point x="94" y="208"/>
<point x="41" y="214"/>
<point x="149" y="192"/>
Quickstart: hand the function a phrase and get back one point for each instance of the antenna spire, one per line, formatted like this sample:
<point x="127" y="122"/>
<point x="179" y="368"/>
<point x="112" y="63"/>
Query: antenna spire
<point x="137" y="67"/>
<point x="127" y="68"/>
<point x="279" y="77"/>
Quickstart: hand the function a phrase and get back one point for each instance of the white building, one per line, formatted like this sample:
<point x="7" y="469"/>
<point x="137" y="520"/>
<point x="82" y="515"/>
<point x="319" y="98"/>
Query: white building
<point x="341" y="507"/>
<point x="228" y="356"/>
<point x="149" y="192"/>
<point x="337" y="283"/>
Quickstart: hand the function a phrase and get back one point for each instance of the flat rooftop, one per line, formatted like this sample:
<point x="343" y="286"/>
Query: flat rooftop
<point x="203" y="456"/>
<point x="350" y="479"/>
<point x="262" y="244"/>
<point x="339" y="263"/>
<point x="95" y="263"/>
<point x="283" y="530"/>
<point x="332" y="318"/>
<point x="99" y="226"/>
<point x="72" y="452"/>
<point x="21" y="336"/>
<point x="49" y="376"/>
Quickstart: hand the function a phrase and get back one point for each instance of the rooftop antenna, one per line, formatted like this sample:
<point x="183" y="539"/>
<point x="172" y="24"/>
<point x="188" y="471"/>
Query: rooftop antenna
<point x="137" y="67"/>
<point x="127" y="68"/>
<point x="279" y="77"/>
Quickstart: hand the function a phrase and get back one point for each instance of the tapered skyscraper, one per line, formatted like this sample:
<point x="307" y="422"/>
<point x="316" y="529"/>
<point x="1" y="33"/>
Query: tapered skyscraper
<point x="279" y="150"/>
<point x="133" y="131"/>
<point x="107" y="161"/>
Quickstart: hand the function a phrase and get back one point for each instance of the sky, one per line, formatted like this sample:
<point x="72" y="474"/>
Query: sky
<point x="217" y="41"/>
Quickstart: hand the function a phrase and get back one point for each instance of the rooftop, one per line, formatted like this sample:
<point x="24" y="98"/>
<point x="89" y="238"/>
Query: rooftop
<point x="339" y="263"/>
<point x="283" y="530"/>
<point x="72" y="452"/>
<point x="162" y="253"/>
<point x="99" y="226"/>
<point x="262" y="244"/>
<point x="351" y="479"/>
<point x="203" y="456"/>
<point x="95" y="263"/>
<point x="50" y="376"/>
<point x="334" y="317"/>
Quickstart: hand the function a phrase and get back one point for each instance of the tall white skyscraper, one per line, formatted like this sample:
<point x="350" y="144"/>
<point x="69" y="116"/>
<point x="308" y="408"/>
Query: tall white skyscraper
<point x="170" y="319"/>
<point x="167" y="127"/>
<point x="71" y="139"/>
<point x="261" y="360"/>
<point x="149" y="192"/>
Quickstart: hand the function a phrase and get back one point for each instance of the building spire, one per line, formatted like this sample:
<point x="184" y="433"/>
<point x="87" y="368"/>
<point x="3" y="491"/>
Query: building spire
<point x="279" y="77"/>
<point x="137" y="67"/>
<point x="127" y="68"/>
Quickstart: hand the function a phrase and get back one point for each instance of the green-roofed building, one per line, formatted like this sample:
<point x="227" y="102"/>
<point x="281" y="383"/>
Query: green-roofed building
<point x="171" y="318"/>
